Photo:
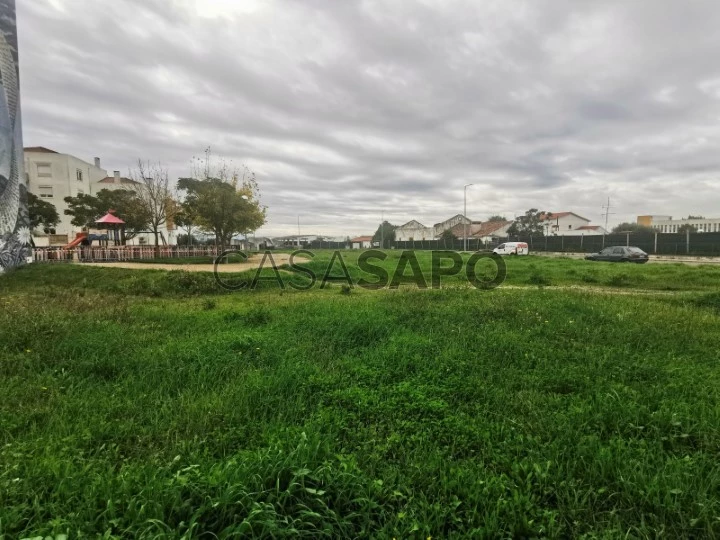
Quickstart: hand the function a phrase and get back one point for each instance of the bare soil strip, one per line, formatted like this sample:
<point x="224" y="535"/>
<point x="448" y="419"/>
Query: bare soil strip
<point x="252" y="263"/>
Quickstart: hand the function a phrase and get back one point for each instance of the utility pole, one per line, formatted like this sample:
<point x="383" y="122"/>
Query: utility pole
<point x="465" y="215"/>
<point x="298" y="231"/>
<point x="607" y="214"/>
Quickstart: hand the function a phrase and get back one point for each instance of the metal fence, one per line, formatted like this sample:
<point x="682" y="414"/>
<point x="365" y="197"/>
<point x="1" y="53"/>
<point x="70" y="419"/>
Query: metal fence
<point x="707" y="244"/>
<point x="125" y="253"/>
<point x="701" y="244"/>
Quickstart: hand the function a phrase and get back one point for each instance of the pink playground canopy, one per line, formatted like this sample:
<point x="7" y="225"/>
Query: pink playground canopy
<point x="109" y="218"/>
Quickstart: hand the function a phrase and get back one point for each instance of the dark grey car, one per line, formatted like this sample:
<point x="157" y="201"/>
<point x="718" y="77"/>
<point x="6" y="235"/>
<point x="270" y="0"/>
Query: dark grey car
<point x="619" y="254"/>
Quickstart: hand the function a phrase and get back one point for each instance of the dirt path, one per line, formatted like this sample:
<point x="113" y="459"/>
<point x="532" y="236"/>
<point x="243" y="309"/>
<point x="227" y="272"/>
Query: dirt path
<point x="252" y="263"/>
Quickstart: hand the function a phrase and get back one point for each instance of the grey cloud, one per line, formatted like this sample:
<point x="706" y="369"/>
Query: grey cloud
<point x="346" y="109"/>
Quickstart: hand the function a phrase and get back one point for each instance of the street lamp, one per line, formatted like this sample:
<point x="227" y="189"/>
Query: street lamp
<point x="465" y="215"/>
<point x="247" y="244"/>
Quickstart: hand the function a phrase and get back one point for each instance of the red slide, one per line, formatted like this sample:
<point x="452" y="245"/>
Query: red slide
<point x="78" y="239"/>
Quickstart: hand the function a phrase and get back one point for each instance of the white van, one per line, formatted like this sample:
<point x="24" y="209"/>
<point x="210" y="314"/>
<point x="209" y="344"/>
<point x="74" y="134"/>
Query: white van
<point x="512" y="248"/>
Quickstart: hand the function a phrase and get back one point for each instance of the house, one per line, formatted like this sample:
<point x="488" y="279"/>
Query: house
<point x="486" y="231"/>
<point x="414" y="230"/>
<point x="492" y="230"/>
<point x="52" y="176"/>
<point x="361" y="242"/>
<point x="561" y="223"/>
<point x="457" y="219"/>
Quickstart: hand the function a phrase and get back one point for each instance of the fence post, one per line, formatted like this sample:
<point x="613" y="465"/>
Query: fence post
<point x="687" y="240"/>
<point x="655" y="251"/>
<point x="562" y="243"/>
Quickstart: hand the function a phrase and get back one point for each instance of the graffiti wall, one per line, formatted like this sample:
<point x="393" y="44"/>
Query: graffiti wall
<point x="15" y="236"/>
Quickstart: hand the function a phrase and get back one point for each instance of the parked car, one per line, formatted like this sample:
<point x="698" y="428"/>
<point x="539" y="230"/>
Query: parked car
<point x="619" y="254"/>
<point x="512" y="248"/>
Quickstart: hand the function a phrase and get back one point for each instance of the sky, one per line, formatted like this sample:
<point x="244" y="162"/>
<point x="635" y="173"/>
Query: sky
<point x="352" y="110"/>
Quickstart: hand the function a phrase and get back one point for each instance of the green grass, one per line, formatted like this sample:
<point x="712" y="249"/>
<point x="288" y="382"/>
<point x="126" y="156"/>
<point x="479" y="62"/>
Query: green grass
<point x="144" y="404"/>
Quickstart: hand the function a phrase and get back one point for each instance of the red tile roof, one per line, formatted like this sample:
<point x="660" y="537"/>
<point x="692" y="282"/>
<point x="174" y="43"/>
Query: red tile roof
<point x="362" y="239"/>
<point x="489" y="227"/>
<point x="39" y="150"/>
<point x="479" y="229"/>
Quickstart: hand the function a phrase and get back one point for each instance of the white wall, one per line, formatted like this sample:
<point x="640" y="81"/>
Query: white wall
<point x="564" y="225"/>
<point x="414" y="233"/>
<point x="52" y="177"/>
<point x="701" y="225"/>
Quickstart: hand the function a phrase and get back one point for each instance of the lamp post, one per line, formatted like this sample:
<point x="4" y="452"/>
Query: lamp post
<point x="465" y="215"/>
<point x="247" y="244"/>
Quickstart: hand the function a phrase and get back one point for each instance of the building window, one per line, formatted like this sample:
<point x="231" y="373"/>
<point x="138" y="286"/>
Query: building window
<point x="78" y="175"/>
<point x="44" y="170"/>
<point x="569" y="226"/>
<point x="45" y="192"/>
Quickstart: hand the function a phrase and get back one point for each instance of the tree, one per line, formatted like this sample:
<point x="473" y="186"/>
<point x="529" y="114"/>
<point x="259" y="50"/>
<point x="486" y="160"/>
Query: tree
<point x="695" y="217"/>
<point x="448" y="235"/>
<point x="86" y="209"/>
<point x="42" y="213"/>
<point x="385" y="233"/>
<point x="224" y="202"/>
<point x="633" y="228"/>
<point x="186" y="219"/>
<point x="496" y="218"/>
<point x="155" y="196"/>
<point x="687" y="227"/>
<point x="529" y="224"/>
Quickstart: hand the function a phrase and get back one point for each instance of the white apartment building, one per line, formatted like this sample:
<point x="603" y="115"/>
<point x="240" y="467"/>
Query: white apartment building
<point x="669" y="225"/>
<point x="52" y="176"/>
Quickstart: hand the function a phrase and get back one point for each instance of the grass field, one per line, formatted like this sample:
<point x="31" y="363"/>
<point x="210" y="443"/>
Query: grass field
<point x="150" y="404"/>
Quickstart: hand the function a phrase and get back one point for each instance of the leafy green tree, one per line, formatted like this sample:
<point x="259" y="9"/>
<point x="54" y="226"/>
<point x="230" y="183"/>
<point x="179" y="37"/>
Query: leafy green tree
<point x="529" y="224"/>
<point x="186" y="219"/>
<point x="448" y="236"/>
<point x="87" y="209"/>
<point x="42" y="213"/>
<point x="385" y="233"/>
<point x="687" y="227"/>
<point x="497" y="218"/>
<point x="224" y="202"/>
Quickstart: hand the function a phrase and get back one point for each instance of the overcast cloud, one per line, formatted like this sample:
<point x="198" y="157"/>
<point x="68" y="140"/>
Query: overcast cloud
<point x="348" y="108"/>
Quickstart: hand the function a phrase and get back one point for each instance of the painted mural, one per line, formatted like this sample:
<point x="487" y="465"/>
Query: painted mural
<point x="15" y="235"/>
